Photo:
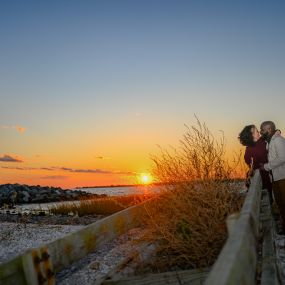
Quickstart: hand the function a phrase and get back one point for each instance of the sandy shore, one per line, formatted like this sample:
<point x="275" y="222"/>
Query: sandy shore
<point x="21" y="232"/>
<point x="50" y="219"/>
<point x="15" y="238"/>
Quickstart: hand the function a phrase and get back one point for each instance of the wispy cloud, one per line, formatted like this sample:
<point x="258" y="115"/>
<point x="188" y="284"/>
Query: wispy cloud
<point x="102" y="157"/>
<point x="20" y="129"/>
<point x="17" y="168"/>
<point x="73" y="170"/>
<point x="54" y="177"/>
<point x="29" y="168"/>
<point x="26" y="168"/>
<point x="102" y="171"/>
<point x="98" y="171"/>
<point x="47" y="168"/>
<point x="10" y="158"/>
<point x="5" y="127"/>
<point x="125" y="172"/>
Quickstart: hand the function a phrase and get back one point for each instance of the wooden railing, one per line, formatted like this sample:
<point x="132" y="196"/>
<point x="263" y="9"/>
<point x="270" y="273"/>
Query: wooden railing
<point x="38" y="266"/>
<point x="237" y="261"/>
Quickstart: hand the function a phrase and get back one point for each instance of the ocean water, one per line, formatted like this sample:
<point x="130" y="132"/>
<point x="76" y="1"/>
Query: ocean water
<point x="121" y="191"/>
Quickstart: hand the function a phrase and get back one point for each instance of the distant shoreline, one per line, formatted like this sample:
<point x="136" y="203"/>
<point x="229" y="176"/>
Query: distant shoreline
<point x="137" y="185"/>
<point x="105" y="186"/>
<point x="114" y="186"/>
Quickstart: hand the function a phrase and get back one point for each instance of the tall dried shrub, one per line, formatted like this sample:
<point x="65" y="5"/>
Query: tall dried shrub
<point x="187" y="221"/>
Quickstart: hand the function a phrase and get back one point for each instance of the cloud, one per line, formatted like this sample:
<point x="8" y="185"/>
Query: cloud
<point x="20" y="129"/>
<point x="74" y="170"/>
<point x="98" y="170"/>
<point x="101" y="171"/>
<point x="9" y="158"/>
<point x="54" y="177"/>
<point x="46" y="168"/>
<point x="102" y="157"/>
<point x="18" y="168"/>
<point x="5" y="127"/>
<point x="125" y="172"/>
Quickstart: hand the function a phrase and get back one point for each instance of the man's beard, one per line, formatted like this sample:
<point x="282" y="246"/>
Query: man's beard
<point x="266" y="136"/>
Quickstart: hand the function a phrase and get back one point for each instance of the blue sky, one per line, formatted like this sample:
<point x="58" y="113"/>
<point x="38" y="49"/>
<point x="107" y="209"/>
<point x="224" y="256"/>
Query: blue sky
<point x="100" y="71"/>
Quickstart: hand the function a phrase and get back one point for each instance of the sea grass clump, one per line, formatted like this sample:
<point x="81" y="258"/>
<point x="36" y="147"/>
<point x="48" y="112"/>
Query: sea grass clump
<point x="187" y="221"/>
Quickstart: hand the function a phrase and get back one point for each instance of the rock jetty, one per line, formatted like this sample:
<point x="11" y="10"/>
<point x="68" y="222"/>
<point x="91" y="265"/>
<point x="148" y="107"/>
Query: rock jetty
<point x="12" y="194"/>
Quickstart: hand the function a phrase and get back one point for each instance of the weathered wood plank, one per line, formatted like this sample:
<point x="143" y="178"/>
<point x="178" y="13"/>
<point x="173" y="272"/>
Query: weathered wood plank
<point x="185" y="277"/>
<point x="12" y="272"/>
<point x="269" y="274"/>
<point x="128" y="265"/>
<point x="237" y="261"/>
<point x="231" y="221"/>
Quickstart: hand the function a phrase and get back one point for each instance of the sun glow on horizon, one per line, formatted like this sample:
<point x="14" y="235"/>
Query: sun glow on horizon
<point x="145" y="178"/>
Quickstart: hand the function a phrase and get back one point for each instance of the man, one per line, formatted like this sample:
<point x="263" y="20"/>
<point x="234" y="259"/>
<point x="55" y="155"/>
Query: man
<point x="276" y="164"/>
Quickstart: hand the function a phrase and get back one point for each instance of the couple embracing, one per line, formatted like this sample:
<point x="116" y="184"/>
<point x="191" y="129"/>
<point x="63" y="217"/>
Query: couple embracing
<point x="265" y="150"/>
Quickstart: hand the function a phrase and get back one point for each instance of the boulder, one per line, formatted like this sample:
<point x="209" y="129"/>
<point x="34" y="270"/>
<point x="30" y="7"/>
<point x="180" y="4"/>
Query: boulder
<point x="26" y="197"/>
<point x="17" y="193"/>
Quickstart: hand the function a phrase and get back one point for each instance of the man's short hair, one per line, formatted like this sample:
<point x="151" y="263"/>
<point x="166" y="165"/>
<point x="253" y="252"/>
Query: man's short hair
<point x="268" y="123"/>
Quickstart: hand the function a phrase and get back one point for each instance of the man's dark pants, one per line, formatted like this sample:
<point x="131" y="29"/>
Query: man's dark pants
<point x="279" y="195"/>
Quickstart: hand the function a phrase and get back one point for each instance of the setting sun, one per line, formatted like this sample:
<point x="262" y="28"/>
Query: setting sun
<point x="145" y="178"/>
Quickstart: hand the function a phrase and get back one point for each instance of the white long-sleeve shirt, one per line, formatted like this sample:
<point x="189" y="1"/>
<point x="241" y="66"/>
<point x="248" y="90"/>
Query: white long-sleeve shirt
<point x="276" y="157"/>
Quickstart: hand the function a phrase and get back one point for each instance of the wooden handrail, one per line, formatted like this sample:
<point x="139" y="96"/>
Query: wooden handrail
<point x="38" y="266"/>
<point x="237" y="261"/>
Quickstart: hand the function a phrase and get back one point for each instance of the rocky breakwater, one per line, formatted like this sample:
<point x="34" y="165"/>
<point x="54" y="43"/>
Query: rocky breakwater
<point x="11" y="194"/>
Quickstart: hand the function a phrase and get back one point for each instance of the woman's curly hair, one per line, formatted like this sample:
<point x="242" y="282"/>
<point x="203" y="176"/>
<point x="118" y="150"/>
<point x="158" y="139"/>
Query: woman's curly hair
<point x="245" y="136"/>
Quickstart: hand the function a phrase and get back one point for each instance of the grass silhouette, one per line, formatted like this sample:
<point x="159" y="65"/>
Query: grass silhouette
<point x="187" y="221"/>
<point x="99" y="206"/>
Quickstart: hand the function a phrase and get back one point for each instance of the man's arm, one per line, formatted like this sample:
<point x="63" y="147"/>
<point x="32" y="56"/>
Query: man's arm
<point x="280" y="159"/>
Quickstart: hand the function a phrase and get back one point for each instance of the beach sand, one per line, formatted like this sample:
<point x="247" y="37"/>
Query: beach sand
<point x="16" y="238"/>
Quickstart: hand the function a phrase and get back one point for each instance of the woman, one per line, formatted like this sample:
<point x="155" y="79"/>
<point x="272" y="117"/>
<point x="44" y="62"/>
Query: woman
<point x="256" y="154"/>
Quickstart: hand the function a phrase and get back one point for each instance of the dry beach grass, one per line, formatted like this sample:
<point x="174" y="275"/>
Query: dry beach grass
<point x="187" y="221"/>
<point x="101" y="206"/>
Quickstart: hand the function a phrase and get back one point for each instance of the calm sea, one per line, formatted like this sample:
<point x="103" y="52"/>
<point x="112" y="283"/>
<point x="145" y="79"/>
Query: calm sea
<point x="120" y="191"/>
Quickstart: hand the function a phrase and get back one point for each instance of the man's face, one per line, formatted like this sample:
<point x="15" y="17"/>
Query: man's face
<point x="266" y="132"/>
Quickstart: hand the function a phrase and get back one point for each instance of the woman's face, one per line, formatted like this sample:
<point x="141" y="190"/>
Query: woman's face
<point x="255" y="134"/>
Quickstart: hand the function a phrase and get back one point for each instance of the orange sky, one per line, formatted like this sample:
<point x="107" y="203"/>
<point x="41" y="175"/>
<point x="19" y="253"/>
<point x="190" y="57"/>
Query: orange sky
<point x="111" y="159"/>
<point x="116" y="158"/>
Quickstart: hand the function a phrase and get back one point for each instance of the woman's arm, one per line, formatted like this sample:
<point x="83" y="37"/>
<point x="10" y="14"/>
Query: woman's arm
<point x="248" y="156"/>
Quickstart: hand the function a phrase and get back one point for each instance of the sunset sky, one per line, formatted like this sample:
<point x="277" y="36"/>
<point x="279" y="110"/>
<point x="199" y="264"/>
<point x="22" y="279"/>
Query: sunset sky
<point x="89" y="89"/>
